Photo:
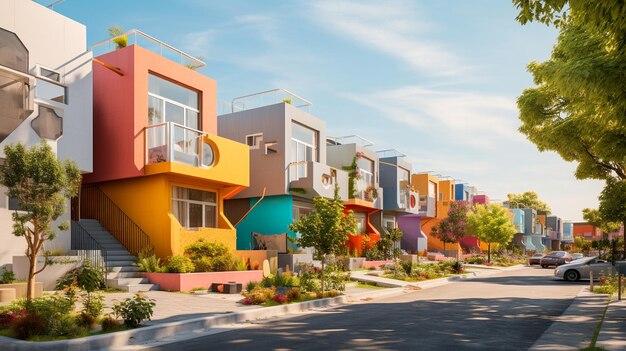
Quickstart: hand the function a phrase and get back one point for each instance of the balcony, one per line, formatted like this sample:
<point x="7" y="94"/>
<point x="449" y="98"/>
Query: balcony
<point x="172" y="142"/>
<point x="137" y="37"/>
<point x="427" y="206"/>
<point x="265" y="98"/>
<point x="315" y="179"/>
<point x="174" y="148"/>
<point x="408" y="201"/>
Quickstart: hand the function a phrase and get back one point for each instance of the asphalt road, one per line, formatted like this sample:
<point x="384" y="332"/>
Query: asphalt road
<point x="507" y="311"/>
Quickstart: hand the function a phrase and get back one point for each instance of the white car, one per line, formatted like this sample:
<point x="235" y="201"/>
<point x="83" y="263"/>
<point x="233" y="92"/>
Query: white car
<point x="580" y="269"/>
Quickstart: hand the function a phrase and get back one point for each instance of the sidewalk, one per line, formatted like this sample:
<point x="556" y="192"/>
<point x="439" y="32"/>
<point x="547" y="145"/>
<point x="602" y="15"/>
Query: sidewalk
<point x="613" y="333"/>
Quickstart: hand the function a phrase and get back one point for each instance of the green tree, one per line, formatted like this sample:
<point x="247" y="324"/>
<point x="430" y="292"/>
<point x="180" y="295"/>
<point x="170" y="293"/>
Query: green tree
<point x="452" y="228"/>
<point x="596" y="219"/>
<point x="578" y="106"/>
<point x="387" y="242"/>
<point x="613" y="205"/>
<point x="42" y="184"/>
<point x="491" y="223"/>
<point x="582" y="244"/>
<point x="528" y="199"/>
<point x="326" y="229"/>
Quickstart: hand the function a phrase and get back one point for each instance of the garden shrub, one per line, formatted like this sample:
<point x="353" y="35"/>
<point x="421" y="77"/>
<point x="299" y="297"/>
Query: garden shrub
<point x="260" y="294"/>
<point x="180" y="264"/>
<point x="202" y="248"/>
<point x="7" y="276"/>
<point x="28" y="325"/>
<point x="109" y="324"/>
<point x="65" y="325"/>
<point x="149" y="263"/>
<point x="406" y="266"/>
<point x="86" y="277"/>
<point x="134" y="310"/>
<point x="280" y="298"/>
<point x="93" y="304"/>
<point x="213" y="257"/>
<point x="86" y="320"/>
<point x="475" y="259"/>
<point x="252" y="285"/>
<point x="293" y="294"/>
<point x="280" y="280"/>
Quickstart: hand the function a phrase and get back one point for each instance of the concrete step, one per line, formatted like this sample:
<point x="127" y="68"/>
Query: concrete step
<point x="120" y="258"/>
<point x="121" y="275"/>
<point x="120" y="283"/>
<point x="119" y="263"/>
<point x="140" y="287"/>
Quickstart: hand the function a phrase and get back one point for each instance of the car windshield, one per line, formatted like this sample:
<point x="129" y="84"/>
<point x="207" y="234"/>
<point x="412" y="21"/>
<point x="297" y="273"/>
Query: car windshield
<point x="586" y="260"/>
<point x="538" y="255"/>
<point x="556" y="254"/>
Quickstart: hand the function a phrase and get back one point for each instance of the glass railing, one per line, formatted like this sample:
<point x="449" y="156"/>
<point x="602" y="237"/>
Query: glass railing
<point x="172" y="142"/>
<point x="265" y="98"/>
<point x="137" y="37"/>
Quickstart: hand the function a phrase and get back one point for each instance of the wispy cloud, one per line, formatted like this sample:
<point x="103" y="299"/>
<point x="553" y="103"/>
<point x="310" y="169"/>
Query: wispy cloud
<point x="468" y="118"/>
<point x="197" y="43"/>
<point x="392" y="27"/>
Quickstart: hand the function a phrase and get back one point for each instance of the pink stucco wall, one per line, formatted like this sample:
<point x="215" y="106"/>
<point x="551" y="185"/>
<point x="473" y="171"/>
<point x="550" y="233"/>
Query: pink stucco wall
<point x="188" y="281"/>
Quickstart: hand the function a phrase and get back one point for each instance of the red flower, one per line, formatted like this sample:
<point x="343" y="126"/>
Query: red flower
<point x="280" y="298"/>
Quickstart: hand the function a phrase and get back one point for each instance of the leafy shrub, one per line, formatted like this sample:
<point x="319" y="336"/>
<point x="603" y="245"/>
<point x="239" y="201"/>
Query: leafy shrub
<point x="406" y="266"/>
<point x="259" y="295"/>
<point x="180" y="264"/>
<point x="134" y="310"/>
<point x="86" y="320"/>
<point x="280" y="298"/>
<point x="109" y="324"/>
<point x="202" y="248"/>
<point x="87" y="277"/>
<point x="28" y="325"/>
<point x="120" y="40"/>
<point x="308" y="276"/>
<point x="7" y="276"/>
<point x="93" y="304"/>
<point x="477" y="259"/>
<point x="247" y="301"/>
<point x="335" y="277"/>
<point x="7" y="318"/>
<point x="65" y="325"/>
<point x="252" y="285"/>
<point x="279" y="280"/>
<point x="149" y="263"/>
<point x="293" y="294"/>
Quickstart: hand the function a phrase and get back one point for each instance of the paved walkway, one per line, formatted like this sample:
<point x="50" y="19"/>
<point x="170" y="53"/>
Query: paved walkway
<point x="613" y="333"/>
<point x="171" y="306"/>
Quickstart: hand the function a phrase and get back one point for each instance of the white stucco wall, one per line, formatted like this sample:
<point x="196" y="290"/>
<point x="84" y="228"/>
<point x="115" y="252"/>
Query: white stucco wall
<point x="58" y="43"/>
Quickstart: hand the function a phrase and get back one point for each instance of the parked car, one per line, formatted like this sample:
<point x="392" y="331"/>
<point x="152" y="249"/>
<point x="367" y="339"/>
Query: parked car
<point x="580" y="269"/>
<point x="535" y="259"/>
<point x="555" y="258"/>
<point x="577" y="256"/>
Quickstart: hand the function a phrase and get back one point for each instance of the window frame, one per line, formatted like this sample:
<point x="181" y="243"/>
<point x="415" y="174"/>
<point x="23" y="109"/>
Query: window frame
<point x="257" y="139"/>
<point x="196" y="202"/>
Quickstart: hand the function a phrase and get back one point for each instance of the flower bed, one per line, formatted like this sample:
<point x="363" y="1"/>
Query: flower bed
<point x="376" y="264"/>
<point x="189" y="281"/>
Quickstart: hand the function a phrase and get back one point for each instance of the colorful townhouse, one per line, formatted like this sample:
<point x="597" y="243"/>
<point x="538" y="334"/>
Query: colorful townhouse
<point x="427" y="186"/>
<point x="400" y="200"/>
<point x="288" y="164"/>
<point x="521" y="239"/>
<point x="554" y="231"/>
<point x="45" y="94"/>
<point x="568" y="232"/>
<point x="364" y="194"/>
<point x="161" y="173"/>
<point x="464" y="192"/>
<point x="542" y="228"/>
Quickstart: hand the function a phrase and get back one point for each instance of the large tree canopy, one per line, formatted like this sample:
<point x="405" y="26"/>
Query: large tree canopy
<point x="528" y="199"/>
<point x="578" y="108"/>
<point x="596" y="219"/>
<point x="491" y="223"/>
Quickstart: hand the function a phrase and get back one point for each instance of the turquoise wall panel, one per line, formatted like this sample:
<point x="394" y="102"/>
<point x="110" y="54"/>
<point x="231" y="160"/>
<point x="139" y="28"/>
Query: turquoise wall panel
<point x="272" y="215"/>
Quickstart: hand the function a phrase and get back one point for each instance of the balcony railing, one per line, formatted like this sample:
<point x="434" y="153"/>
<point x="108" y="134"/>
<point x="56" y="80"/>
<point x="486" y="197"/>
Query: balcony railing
<point x="265" y="98"/>
<point x="172" y="142"/>
<point x="137" y="37"/>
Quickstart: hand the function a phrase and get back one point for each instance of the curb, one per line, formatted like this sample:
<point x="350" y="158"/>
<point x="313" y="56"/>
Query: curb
<point x="160" y="331"/>
<point x="574" y="329"/>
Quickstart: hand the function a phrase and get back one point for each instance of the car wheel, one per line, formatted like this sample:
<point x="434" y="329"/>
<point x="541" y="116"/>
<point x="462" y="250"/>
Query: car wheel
<point x="572" y="275"/>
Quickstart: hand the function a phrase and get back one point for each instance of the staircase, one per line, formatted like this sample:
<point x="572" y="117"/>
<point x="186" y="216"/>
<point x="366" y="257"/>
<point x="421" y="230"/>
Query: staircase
<point x="121" y="272"/>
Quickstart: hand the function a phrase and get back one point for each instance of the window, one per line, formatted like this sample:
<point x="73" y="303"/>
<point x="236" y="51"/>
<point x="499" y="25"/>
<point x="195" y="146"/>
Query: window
<point x="440" y="196"/>
<point x="13" y="53"/>
<point x="50" y="91"/>
<point x="48" y="124"/>
<point x="254" y="141"/>
<point x="194" y="208"/>
<point x="49" y="74"/>
<point x="432" y="189"/>
<point x="361" y="221"/>
<point x="366" y="170"/>
<point x="14" y="204"/>
<point x="170" y="102"/>
<point x="300" y="209"/>
<point x="389" y="222"/>
<point x="303" y="149"/>
<point x="403" y="186"/>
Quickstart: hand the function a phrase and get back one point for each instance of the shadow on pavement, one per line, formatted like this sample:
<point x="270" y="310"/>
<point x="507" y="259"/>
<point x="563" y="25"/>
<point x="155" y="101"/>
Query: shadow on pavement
<point x="459" y="324"/>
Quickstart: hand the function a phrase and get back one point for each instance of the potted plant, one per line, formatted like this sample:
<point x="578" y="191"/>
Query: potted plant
<point x="119" y="38"/>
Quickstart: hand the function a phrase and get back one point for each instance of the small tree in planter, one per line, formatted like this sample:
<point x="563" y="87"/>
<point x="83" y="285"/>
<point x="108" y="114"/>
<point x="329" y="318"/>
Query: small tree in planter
<point x="491" y="224"/>
<point x="326" y="229"/>
<point x="452" y="228"/>
<point x="42" y="184"/>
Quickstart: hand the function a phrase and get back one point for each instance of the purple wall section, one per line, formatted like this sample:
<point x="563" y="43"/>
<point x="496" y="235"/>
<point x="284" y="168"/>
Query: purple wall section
<point x="413" y="240"/>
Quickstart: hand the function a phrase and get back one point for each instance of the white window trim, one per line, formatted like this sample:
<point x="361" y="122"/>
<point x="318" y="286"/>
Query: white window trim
<point x="258" y="142"/>
<point x="185" y="108"/>
<point x="203" y="203"/>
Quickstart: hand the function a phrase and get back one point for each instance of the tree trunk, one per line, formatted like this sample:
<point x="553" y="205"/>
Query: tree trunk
<point x="624" y="234"/>
<point x="323" y="259"/>
<point x="444" y="248"/>
<point x="489" y="252"/>
<point x="30" y="288"/>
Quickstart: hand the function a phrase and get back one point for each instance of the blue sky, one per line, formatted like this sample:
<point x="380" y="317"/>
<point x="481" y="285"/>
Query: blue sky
<point x="436" y="80"/>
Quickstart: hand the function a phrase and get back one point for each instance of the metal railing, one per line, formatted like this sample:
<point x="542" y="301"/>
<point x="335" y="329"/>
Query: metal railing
<point x="87" y="247"/>
<point x="95" y="204"/>
<point x="137" y="37"/>
<point x="172" y="142"/>
<point x="265" y="98"/>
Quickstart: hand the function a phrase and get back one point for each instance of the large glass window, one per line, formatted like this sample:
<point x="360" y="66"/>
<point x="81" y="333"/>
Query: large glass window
<point x="361" y="221"/>
<point x="194" y="208"/>
<point x="403" y="183"/>
<point x="303" y="149"/>
<point x="432" y="189"/>
<point x="13" y="53"/>
<point x="170" y="102"/>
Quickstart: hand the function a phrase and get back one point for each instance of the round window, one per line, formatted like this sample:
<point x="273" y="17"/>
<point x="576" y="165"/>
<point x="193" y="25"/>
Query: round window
<point x="413" y="202"/>
<point x="208" y="157"/>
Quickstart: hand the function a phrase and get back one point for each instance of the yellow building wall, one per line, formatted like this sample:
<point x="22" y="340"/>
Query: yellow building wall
<point x="148" y="202"/>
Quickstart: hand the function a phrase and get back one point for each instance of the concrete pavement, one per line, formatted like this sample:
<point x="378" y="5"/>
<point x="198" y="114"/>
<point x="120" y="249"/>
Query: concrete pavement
<point x="612" y="336"/>
<point x="506" y="311"/>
